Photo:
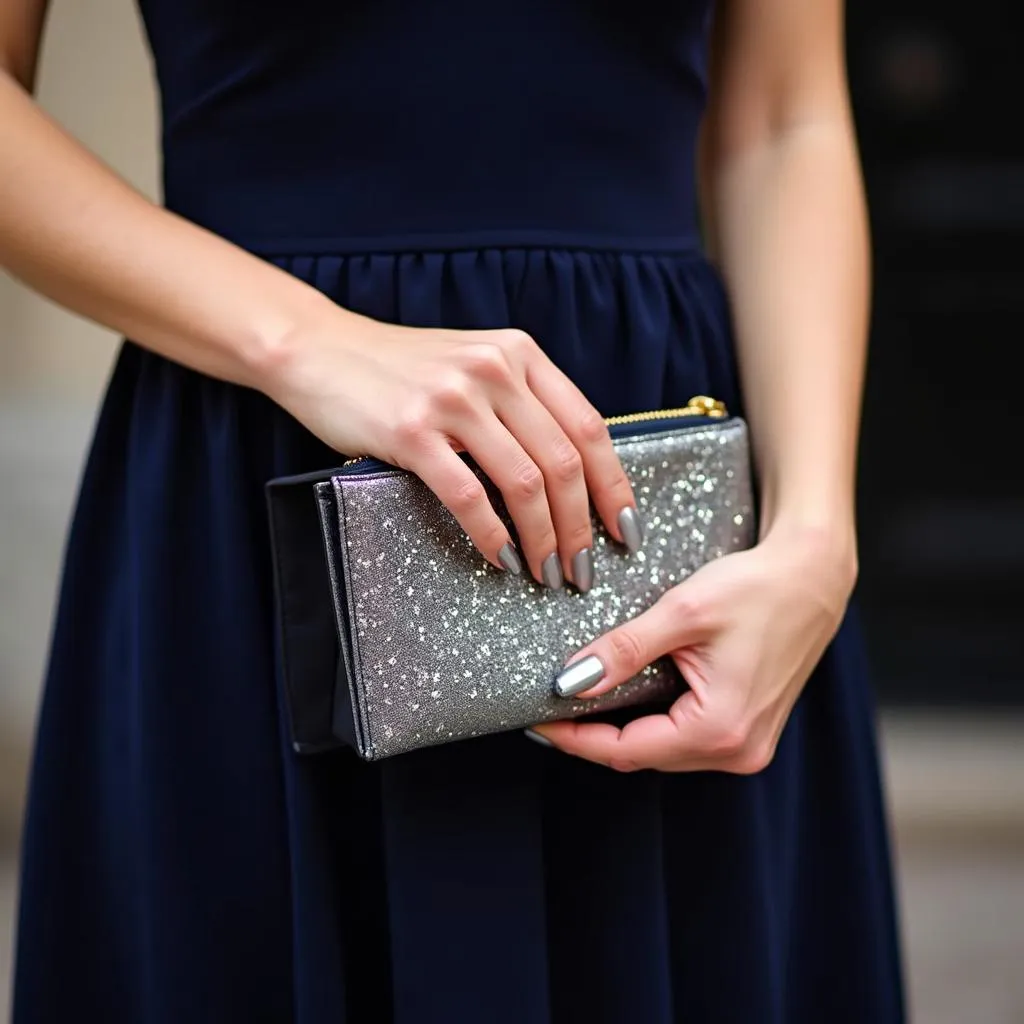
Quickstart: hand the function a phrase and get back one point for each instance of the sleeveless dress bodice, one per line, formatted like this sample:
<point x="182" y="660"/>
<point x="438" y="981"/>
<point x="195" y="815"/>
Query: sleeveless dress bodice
<point x="403" y="124"/>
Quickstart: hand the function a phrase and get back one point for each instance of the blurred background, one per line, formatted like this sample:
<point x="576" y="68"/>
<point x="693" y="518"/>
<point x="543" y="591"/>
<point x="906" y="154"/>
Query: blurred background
<point x="942" y="517"/>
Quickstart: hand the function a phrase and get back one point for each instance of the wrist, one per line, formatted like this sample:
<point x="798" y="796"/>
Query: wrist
<point x="284" y="354"/>
<point x="827" y="546"/>
<point x="822" y="517"/>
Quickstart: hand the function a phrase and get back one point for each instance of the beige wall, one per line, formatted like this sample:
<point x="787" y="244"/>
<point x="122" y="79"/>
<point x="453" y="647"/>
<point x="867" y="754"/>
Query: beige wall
<point x="96" y="80"/>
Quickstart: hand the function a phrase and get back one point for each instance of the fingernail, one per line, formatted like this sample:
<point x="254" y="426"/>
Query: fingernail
<point x="631" y="528"/>
<point x="583" y="569"/>
<point x="509" y="559"/>
<point x="537" y="738"/>
<point x="551" y="571"/>
<point x="579" y="676"/>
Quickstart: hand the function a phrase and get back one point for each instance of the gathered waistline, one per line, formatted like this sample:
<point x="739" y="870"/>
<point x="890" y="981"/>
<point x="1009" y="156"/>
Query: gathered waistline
<point x="688" y="246"/>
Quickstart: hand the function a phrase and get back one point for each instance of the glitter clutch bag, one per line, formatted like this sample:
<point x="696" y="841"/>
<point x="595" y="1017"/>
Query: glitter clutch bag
<point x="432" y="644"/>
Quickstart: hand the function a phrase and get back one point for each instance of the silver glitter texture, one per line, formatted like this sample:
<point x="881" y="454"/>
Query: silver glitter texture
<point x="442" y="646"/>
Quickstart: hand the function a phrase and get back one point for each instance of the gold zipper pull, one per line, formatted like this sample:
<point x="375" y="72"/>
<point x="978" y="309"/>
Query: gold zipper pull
<point x="705" y="406"/>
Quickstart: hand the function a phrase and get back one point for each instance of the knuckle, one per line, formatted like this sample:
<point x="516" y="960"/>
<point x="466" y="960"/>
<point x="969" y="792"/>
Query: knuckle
<point x="451" y="392"/>
<point x="592" y="427"/>
<point x="527" y="481"/>
<point x="627" y="649"/>
<point x="412" y="427"/>
<point x="566" y="463"/>
<point x="728" y="741"/>
<point x="467" y="496"/>
<point x="578" y="536"/>
<point x="512" y="339"/>
<point x="487" y="362"/>
<point x="685" y="606"/>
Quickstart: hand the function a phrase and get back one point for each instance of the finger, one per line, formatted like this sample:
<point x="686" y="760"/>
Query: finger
<point x="666" y="742"/>
<point x="521" y="482"/>
<point x="606" y="480"/>
<point x="550" y="448"/>
<point x="618" y="655"/>
<point x="462" y="493"/>
<point x="697" y="734"/>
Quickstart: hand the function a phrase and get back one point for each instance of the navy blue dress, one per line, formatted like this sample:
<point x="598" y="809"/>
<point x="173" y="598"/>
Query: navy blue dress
<point x="469" y="165"/>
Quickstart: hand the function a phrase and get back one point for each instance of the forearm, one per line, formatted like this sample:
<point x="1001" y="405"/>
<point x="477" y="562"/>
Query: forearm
<point x="791" y="236"/>
<point x="74" y="231"/>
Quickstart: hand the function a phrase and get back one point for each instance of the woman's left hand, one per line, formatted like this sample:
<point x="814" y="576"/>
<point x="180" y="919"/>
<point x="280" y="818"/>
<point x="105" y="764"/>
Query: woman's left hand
<point x="745" y="631"/>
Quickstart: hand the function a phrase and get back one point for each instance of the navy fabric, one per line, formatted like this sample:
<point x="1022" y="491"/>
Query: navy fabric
<point x="449" y="164"/>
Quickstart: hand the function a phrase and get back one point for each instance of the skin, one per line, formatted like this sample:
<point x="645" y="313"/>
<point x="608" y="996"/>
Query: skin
<point x="783" y="202"/>
<point x="73" y="230"/>
<point x="783" y="199"/>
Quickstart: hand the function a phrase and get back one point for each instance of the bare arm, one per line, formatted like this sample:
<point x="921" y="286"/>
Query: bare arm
<point x="784" y="203"/>
<point x="76" y="232"/>
<point x="784" y="207"/>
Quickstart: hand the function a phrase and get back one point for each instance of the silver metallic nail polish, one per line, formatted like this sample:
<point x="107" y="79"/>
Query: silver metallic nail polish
<point x="579" y="676"/>
<point x="551" y="571"/>
<point x="631" y="528"/>
<point x="509" y="559"/>
<point x="583" y="569"/>
<point x="537" y="738"/>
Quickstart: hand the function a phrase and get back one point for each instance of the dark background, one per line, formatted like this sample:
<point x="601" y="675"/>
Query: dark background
<point x="935" y="89"/>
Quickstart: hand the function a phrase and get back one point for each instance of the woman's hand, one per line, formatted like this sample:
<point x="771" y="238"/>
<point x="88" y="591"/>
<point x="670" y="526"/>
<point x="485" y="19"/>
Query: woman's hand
<point x="415" y="397"/>
<point x="745" y="631"/>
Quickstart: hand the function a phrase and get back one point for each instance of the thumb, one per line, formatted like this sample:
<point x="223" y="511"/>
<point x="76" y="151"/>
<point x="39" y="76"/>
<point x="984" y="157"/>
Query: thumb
<point x="672" y="622"/>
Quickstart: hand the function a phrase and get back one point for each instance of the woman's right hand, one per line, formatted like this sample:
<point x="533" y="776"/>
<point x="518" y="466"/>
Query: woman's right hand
<point x="412" y="397"/>
<point x="415" y="397"/>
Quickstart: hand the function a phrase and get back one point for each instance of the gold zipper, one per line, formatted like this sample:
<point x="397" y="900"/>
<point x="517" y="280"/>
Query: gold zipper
<point x="699" y="405"/>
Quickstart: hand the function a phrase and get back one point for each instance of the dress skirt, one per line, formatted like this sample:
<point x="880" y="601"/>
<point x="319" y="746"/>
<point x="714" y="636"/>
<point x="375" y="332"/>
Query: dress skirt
<point x="182" y="864"/>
